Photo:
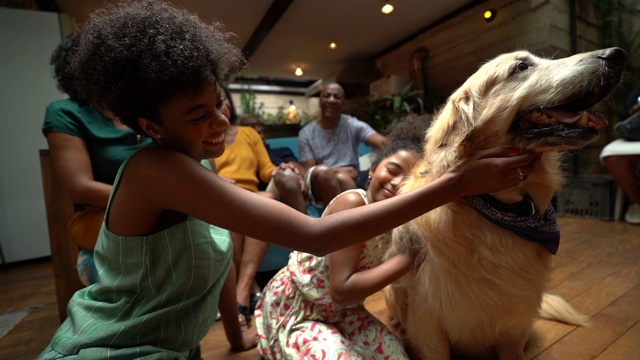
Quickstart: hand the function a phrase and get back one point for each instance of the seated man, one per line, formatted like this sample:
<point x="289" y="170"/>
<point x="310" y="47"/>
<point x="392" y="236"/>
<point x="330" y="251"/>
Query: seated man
<point x="622" y="159"/>
<point x="329" y="147"/>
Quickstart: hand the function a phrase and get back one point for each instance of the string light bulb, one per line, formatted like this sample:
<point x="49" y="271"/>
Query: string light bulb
<point x="387" y="8"/>
<point x="333" y="45"/>
<point x="298" y="71"/>
<point x="292" y="117"/>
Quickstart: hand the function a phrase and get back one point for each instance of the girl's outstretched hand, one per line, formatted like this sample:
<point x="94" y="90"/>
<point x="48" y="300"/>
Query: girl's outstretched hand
<point x="493" y="170"/>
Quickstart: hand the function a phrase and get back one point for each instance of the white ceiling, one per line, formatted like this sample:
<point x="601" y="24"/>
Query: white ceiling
<point x="301" y="36"/>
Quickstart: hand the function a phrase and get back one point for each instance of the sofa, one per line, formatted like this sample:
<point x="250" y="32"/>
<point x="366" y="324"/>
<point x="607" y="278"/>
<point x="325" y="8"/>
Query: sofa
<point x="292" y="143"/>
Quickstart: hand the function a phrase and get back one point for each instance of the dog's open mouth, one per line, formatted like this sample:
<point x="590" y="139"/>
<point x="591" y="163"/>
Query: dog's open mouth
<point x="543" y="122"/>
<point x="568" y="124"/>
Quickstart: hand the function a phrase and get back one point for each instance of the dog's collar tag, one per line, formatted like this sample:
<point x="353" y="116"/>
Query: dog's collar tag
<point x="520" y="218"/>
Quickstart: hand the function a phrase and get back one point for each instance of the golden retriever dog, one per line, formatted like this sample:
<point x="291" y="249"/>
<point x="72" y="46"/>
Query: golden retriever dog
<point x="487" y="259"/>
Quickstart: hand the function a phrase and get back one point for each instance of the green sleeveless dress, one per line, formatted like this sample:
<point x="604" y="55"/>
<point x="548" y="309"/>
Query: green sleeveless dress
<point x="156" y="295"/>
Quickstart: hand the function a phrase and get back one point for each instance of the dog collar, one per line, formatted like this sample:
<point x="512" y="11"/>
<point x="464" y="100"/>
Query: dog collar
<point x="521" y="218"/>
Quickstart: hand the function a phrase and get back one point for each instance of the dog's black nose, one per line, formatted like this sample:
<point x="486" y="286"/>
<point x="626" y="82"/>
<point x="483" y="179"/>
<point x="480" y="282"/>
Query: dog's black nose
<point x="615" y="55"/>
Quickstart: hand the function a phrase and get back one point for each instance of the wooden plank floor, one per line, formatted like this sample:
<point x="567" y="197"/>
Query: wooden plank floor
<point x="597" y="269"/>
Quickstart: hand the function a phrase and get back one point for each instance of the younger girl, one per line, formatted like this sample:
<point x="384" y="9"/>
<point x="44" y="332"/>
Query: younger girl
<point x="314" y="306"/>
<point x="160" y="270"/>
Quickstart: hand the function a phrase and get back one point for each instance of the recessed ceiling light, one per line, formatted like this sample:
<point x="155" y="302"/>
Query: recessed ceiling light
<point x="489" y="15"/>
<point x="387" y="8"/>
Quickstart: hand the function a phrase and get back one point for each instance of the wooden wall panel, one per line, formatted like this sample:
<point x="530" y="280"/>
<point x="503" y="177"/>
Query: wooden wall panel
<point x="460" y="45"/>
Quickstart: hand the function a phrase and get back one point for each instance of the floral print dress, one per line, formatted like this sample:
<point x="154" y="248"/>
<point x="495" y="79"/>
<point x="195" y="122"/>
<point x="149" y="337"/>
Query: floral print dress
<point x="296" y="318"/>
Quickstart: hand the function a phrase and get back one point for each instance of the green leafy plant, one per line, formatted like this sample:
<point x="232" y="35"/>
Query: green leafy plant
<point x="305" y="118"/>
<point x="280" y="117"/>
<point x="250" y="106"/>
<point x="381" y="111"/>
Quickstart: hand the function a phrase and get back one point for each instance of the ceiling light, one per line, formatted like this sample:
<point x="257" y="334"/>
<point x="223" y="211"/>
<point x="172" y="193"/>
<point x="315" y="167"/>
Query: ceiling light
<point x="387" y="8"/>
<point x="333" y="45"/>
<point x="489" y="15"/>
<point x="298" y="71"/>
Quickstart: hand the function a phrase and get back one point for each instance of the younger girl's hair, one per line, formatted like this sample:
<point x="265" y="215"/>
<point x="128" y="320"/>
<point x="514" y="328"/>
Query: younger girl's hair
<point x="406" y="134"/>
<point x="136" y="56"/>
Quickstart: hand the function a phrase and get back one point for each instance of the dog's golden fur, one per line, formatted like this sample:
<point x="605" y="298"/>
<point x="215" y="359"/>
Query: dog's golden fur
<point x="480" y="287"/>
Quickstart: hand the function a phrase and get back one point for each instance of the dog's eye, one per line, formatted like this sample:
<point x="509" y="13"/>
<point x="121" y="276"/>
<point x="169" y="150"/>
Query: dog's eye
<point x="518" y="68"/>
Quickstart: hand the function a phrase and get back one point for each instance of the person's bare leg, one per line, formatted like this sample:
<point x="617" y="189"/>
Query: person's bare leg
<point x="289" y="187"/>
<point x="622" y="169"/>
<point x="324" y="183"/>
<point x="345" y="182"/>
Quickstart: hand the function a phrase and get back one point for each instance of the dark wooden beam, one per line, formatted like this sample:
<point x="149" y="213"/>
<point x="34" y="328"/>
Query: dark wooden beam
<point x="48" y="5"/>
<point x="270" y="19"/>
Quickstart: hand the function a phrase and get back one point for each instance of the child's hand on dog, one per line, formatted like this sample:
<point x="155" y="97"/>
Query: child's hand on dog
<point x="494" y="169"/>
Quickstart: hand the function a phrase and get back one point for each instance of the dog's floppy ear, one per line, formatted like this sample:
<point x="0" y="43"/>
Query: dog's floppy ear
<point x="446" y="145"/>
<point x="462" y="124"/>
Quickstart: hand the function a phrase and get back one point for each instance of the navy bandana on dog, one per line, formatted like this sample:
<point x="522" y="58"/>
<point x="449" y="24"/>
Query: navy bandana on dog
<point x="521" y="218"/>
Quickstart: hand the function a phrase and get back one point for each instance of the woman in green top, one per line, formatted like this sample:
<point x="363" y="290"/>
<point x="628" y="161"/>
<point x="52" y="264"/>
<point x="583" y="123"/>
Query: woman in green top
<point x="159" y="69"/>
<point x="87" y="148"/>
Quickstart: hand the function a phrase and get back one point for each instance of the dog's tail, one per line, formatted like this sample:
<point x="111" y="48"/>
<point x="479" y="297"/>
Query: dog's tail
<point x="553" y="307"/>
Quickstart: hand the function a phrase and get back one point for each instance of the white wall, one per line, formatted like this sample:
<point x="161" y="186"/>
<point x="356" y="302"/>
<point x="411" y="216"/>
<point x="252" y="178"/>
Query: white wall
<point x="27" y="39"/>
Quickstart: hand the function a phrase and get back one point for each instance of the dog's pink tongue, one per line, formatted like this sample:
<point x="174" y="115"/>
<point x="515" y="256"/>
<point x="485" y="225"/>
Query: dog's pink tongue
<point x="584" y="118"/>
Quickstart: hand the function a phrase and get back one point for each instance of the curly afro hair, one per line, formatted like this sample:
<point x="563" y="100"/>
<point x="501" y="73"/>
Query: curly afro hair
<point x="62" y="70"/>
<point x="407" y="134"/>
<point x="136" y="56"/>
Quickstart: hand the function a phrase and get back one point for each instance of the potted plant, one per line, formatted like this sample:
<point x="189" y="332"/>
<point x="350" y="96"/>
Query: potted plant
<point x="380" y="111"/>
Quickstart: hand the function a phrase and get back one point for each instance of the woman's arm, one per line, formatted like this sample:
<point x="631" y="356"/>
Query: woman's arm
<point x="265" y="166"/>
<point x="348" y="285"/>
<point x="159" y="179"/>
<point x="73" y="166"/>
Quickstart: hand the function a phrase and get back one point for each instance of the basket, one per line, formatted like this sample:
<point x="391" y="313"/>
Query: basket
<point x="587" y="196"/>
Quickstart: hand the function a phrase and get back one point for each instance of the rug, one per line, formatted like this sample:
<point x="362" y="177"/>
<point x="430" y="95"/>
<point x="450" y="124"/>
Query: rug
<point x="11" y="318"/>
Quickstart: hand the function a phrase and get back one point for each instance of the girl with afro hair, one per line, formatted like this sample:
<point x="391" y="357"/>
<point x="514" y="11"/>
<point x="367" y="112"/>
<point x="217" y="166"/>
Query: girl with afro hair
<point x="161" y="271"/>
